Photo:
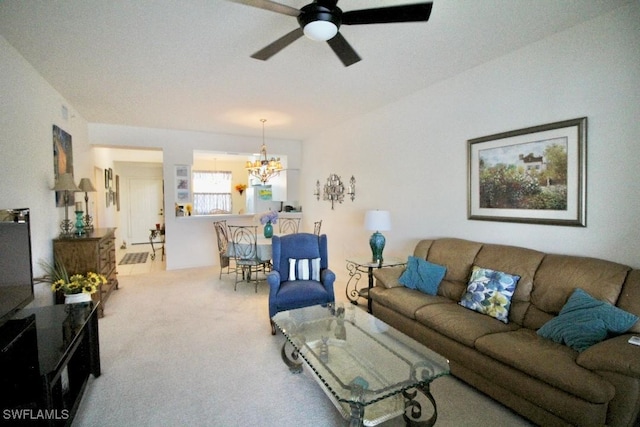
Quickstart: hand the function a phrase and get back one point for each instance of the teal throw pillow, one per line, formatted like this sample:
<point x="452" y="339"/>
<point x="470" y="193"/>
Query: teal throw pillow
<point x="489" y="292"/>
<point x="422" y="275"/>
<point x="585" y="321"/>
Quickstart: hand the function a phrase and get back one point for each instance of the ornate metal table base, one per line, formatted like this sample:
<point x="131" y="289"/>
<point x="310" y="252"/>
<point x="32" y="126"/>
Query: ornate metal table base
<point x="413" y="408"/>
<point x="370" y="371"/>
<point x="291" y="359"/>
<point x="412" y="404"/>
<point x="356" y="267"/>
<point x="153" y="233"/>
<point x="353" y="293"/>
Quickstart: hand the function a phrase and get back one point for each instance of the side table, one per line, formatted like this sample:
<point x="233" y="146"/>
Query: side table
<point x="358" y="265"/>
<point x="154" y="233"/>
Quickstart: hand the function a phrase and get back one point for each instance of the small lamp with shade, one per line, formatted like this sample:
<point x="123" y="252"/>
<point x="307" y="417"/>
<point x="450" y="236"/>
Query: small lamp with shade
<point x="86" y="186"/>
<point x="66" y="183"/>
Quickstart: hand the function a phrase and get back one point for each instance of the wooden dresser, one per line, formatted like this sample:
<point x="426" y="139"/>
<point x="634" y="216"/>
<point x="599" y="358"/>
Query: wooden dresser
<point x="94" y="251"/>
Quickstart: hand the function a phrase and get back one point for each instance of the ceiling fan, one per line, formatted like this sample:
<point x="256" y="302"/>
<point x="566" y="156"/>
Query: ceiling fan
<point x="321" y="20"/>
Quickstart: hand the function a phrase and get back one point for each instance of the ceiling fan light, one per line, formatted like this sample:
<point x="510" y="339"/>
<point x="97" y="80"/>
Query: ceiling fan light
<point x="320" y="30"/>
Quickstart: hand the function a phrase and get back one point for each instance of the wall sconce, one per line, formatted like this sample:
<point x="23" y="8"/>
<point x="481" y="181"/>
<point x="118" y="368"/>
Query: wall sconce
<point x="351" y="190"/>
<point x="334" y="190"/>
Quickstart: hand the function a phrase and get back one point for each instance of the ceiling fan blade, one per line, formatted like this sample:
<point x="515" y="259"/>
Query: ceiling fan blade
<point x="275" y="47"/>
<point x="343" y="49"/>
<point x="270" y="5"/>
<point x="385" y="15"/>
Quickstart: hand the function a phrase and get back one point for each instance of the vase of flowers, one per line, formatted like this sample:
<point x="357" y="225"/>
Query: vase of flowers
<point x="240" y="188"/>
<point x="268" y="219"/>
<point x="77" y="287"/>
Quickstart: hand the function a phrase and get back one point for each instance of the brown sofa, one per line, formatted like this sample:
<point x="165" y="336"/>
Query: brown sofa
<point x="546" y="382"/>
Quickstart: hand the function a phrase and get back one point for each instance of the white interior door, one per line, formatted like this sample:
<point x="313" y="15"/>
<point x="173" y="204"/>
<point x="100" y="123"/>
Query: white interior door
<point x="145" y="204"/>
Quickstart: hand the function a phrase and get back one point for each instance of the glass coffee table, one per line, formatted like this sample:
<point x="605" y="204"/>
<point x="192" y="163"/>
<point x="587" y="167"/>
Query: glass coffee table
<point x="369" y="370"/>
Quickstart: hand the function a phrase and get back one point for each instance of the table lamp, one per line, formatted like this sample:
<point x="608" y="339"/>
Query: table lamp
<point x="86" y="186"/>
<point x="377" y="221"/>
<point x="65" y="183"/>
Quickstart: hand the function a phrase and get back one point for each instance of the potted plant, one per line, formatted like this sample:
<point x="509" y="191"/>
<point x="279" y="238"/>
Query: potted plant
<point x="77" y="287"/>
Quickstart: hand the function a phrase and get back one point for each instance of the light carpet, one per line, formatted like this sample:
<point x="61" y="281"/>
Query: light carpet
<point x="181" y="348"/>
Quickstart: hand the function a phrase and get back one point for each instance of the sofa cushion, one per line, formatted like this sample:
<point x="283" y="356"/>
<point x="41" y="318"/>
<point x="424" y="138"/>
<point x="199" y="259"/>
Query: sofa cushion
<point x="585" y="321"/>
<point x="457" y="255"/>
<point x="489" y="292"/>
<point x="516" y="260"/>
<point x="559" y="275"/>
<point x="422" y="275"/>
<point x="547" y="361"/>
<point x="388" y="277"/>
<point x="458" y="323"/>
<point x="404" y="300"/>
<point x="629" y="299"/>
<point x="612" y="355"/>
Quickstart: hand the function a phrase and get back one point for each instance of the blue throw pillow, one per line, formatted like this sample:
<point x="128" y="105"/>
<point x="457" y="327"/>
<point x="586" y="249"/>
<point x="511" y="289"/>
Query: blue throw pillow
<point x="422" y="275"/>
<point x="585" y="321"/>
<point x="489" y="292"/>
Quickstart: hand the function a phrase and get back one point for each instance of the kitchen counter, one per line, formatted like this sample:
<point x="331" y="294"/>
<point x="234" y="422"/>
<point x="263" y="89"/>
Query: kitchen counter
<point x="191" y="240"/>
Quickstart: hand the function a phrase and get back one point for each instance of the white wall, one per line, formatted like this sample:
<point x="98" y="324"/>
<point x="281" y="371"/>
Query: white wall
<point x="29" y="108"/>
<point x="190" y="242"/>
<point x="410" y="157"/>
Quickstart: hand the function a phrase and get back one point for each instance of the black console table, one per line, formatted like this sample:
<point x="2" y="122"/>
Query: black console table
<point x="62" y="342"/>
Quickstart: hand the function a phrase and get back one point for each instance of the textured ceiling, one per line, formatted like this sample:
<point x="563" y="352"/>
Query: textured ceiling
<point x="186" y="64"/>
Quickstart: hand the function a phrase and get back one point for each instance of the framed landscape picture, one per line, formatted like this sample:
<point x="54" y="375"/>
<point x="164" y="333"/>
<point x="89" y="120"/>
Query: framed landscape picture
<point x="533" y="175"/>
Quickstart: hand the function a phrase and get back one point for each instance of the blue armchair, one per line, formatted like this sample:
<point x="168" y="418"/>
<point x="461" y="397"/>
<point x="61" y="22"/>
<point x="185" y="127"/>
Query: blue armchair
<point x="298" y="259"/>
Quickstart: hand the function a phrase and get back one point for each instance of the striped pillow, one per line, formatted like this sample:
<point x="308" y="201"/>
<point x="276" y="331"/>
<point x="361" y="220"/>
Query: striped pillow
<point x="304" y="269"/>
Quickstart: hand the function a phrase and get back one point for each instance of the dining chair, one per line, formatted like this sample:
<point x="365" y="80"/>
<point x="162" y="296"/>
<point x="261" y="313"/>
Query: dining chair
<point x="222" y="235"/>
<point x="301" y="276"/>
<point x="316" y="227"/>
<point x="288" y="225"/>
<point x="244" y="252"/>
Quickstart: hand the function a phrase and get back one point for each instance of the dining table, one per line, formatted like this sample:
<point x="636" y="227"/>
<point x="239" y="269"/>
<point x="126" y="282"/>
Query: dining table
<point x="263" y="248"/>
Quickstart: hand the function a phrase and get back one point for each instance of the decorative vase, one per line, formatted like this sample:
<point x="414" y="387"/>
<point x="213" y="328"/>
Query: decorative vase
<point x="79" y="223"/>
<point x="73" y="298"/>
<point x="268" y="230"/>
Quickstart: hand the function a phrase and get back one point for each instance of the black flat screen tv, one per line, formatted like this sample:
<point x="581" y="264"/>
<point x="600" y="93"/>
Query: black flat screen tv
<point x="16" y="272"/>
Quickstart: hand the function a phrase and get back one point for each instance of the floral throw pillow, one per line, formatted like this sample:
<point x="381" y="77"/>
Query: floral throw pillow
<point x="489" y="292"/>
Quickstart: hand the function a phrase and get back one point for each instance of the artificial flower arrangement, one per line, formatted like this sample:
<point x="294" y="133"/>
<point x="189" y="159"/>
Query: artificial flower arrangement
<point x="240" y="188"/>
<point x="74" y="284"/>
<point x="78" y="283"/>
<point x="269" y="217"/>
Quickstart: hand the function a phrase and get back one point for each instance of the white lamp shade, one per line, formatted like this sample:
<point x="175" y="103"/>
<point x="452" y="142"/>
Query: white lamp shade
<point x="86" y="185"/>
<point x="320" y="31"/>
<point x="377" y="220"/>
<point x="65" y="182"/>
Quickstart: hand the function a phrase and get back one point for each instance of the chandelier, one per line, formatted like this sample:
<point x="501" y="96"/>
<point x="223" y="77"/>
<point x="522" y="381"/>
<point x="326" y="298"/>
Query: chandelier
<point x="264" y="168"/>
